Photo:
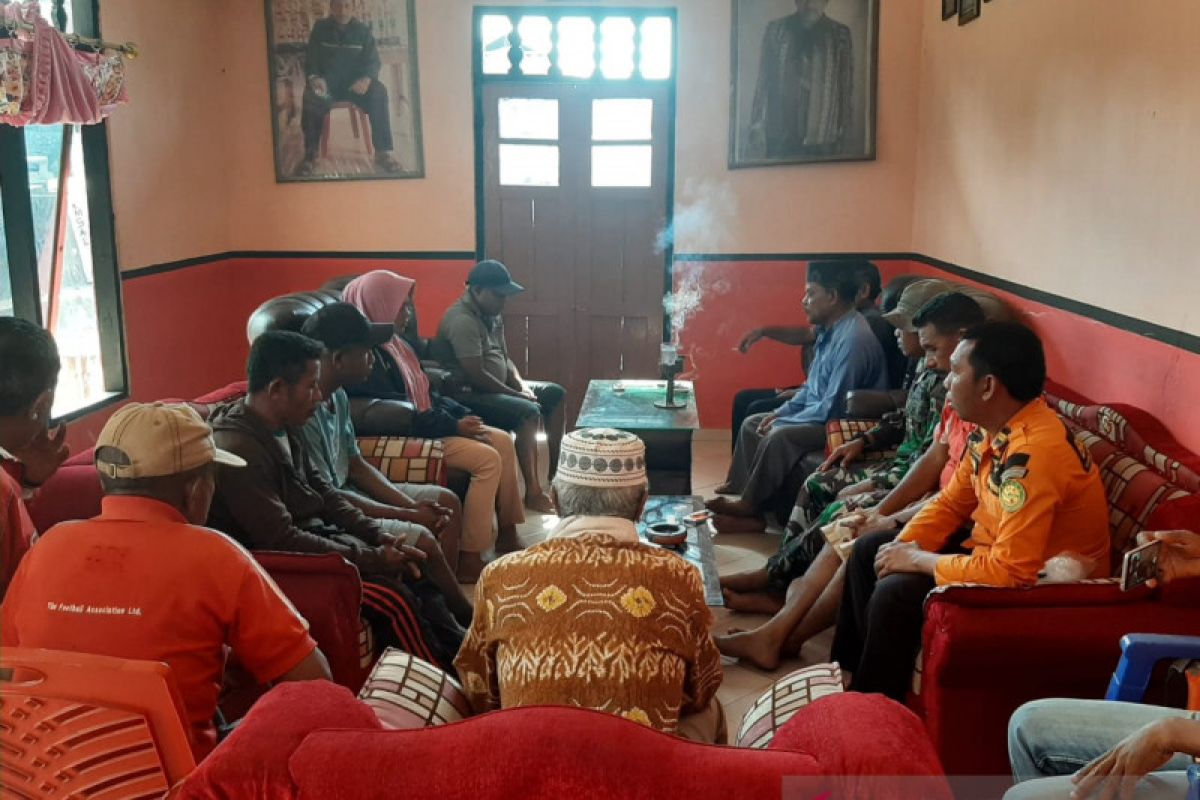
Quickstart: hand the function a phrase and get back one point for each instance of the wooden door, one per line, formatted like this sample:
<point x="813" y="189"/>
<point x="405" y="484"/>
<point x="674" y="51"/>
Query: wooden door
<point x="575" y="199"/>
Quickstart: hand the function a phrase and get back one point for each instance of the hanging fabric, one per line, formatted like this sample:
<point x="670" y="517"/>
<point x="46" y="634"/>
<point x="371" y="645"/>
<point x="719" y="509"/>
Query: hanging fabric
<point x="46" y="81"/>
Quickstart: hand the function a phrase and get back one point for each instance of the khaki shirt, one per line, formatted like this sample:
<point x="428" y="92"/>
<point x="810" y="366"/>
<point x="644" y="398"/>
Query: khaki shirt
<point x="465" y="332"/>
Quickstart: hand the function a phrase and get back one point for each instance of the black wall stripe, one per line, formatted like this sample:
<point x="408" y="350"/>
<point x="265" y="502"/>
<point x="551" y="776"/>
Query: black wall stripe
<point x="398" y="255"/>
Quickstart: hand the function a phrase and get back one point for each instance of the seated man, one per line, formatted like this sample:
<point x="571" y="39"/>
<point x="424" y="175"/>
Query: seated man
<point x="144" y="581"/>
<point x="1096" y="746"/>
<point x="332" y="447"/>
<point x="342" y="65"/>
<point x="847" y="356"/>
<point x="802" y="583"/>
<point x="470" y="342"/>
<point x="593" y="617"/>
<point x="29" y="453"/>
<point x="1026" y="491"/>
<point x="280" y="502"/>
<point x="759" y="401"/>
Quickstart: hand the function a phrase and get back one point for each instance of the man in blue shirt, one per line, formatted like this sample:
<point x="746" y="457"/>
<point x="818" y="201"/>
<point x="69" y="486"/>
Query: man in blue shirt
<point x="847" y="356"/>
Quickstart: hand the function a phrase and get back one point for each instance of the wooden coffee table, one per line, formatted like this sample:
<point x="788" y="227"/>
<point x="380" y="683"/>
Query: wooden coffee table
<point x="629" y="406"/>
<point x="698" y="550"/>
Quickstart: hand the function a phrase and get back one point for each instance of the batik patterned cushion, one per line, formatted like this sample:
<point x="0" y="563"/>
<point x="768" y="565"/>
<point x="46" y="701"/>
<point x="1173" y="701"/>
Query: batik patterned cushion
<point x="405" y="459"/>
<point x="783" y="699"/>
<point x="406" y="692"/>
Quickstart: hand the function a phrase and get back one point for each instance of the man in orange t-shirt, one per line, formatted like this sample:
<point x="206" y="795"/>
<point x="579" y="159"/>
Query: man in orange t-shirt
<point x="29" y="452"/>
<point x="143" y="581"/>
<point x="1025" y="491"/>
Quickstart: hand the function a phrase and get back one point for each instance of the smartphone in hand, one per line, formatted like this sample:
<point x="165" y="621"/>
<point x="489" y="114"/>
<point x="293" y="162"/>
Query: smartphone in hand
<point x="1140" y="566"/>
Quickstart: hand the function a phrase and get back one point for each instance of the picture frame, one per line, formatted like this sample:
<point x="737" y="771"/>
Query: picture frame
<point x="969" y="11"/>
<point x="345" y="90"/>
<point x="773" y="123"/>
<point x="949" y="9"/>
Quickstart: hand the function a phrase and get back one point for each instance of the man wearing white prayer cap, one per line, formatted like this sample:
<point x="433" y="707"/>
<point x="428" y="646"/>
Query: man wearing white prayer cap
<point x="594" y="617"/>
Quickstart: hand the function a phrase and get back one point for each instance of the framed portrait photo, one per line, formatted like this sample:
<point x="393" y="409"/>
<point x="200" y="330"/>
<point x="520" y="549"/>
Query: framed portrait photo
<point x="949" y="9"/>
<point x="345" y="95"/>
<point x="969" y="10"/>
<point x="805" y="76"/>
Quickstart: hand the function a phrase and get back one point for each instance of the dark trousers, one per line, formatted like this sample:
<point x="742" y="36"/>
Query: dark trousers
<point x="412" y="617"/>
<point x="374" y="101"/>
<point x="751" y="401"/>
<point x="879" y="624"/>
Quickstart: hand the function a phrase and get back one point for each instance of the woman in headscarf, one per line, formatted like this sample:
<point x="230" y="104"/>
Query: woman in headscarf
<point x="486" y="453"/>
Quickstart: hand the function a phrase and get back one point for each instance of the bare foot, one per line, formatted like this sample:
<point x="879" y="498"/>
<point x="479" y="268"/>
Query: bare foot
<point x="730" y="508"/>
<point x="754" y="580"/>
<point x="469" y="567"/>
<point x="750" y="646"/>
<point x="752" y="602"/>
<point x="727" y="524"/>
<point x="726" y="488"/>
<point x="539" y="502"/>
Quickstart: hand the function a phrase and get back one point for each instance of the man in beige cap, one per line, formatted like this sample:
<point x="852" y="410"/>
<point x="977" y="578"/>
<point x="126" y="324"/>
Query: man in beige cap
<point x="593" y="617"/>
<point x="144" y="581"/>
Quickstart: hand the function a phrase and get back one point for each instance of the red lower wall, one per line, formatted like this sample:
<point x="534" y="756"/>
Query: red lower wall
<point x="186" y="332"/>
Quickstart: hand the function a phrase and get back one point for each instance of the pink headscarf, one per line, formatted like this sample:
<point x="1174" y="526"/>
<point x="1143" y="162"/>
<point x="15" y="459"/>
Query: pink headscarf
<point x="380" y="295"/>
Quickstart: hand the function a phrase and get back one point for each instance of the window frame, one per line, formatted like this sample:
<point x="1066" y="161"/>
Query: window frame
<point x="21" y="253"/>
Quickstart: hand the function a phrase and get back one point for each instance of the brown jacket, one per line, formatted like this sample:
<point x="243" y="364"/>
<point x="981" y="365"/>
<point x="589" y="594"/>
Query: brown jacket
<point x="271" y="504"/>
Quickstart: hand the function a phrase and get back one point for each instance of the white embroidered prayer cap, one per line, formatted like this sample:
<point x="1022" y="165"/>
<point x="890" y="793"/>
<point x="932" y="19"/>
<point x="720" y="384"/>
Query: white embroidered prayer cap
<point x="603" y="458"/>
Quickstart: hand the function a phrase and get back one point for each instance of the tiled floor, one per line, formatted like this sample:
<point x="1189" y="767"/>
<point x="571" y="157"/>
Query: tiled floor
<point x="735" y="552"/>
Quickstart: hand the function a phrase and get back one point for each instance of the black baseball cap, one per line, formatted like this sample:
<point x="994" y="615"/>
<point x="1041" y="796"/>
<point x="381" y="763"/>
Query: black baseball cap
<point x="491" y="274"/>
<point x="341" y="325"/>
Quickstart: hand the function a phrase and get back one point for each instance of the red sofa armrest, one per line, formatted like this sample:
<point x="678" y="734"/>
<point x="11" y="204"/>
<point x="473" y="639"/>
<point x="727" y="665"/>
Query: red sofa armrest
<point x="327" y="591"/>
<point x="73" y="492"/>
<point x="987" y="651"/>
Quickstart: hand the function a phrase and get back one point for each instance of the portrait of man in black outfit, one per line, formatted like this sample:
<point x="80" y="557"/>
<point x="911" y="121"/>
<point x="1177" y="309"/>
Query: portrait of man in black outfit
<point x="327" y="65"/>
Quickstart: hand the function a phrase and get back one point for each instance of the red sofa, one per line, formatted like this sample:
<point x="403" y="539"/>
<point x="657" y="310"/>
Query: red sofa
<point x="988" y="650"/>
<point x="314" y="740"/>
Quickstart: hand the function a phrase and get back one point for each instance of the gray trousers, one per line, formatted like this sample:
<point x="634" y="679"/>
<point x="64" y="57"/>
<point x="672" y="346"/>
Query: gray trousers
<point x="761" y="463"/>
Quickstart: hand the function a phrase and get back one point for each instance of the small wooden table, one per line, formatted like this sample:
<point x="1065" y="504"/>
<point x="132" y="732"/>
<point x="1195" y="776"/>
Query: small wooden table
<point x="698" y="550"/>
<point x="629" y="406"/>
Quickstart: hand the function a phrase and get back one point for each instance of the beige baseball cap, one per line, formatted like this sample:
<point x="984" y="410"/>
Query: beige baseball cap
<point x="913" y="299"/>
<point x="158" y="439"/>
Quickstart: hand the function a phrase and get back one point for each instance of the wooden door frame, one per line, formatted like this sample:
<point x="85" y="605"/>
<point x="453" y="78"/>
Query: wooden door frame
<point x="478" y="79"/>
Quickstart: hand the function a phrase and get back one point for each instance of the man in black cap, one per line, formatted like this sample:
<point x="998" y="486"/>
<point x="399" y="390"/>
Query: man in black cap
<point x="470" y="341"/>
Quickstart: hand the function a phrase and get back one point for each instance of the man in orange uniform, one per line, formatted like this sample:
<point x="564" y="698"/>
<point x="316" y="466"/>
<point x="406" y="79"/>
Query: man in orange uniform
<point x="1025" y="492"/>
<point x="144" y="581"/>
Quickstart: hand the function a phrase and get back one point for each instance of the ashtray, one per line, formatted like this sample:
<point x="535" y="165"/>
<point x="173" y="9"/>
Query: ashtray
<point x="666" y="533"/>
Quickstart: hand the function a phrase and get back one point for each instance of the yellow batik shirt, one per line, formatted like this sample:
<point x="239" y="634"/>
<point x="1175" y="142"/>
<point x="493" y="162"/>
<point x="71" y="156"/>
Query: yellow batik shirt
<point x="1030" y="493"/>
<point x="596" y="619"/>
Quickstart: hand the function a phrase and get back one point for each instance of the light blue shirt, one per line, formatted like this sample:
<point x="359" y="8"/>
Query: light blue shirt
<point x="847" y="356"/>
<point x="328" y="438"/>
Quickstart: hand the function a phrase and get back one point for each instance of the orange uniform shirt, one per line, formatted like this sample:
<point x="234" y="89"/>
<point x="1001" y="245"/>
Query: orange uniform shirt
<point x="16" y="528"/>
<point x="139" y="582"/>
<point x="1032" y="493"/>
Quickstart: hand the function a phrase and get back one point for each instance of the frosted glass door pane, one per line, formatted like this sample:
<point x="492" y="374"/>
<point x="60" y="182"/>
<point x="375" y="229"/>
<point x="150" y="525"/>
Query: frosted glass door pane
<point x="655" y="63"/>
<point x="577" y="47"/>
<point x="528" y="165"/>
<point x="622" y="120"/>
<point x="622" y="165"/>
<point x="525" y="118"/>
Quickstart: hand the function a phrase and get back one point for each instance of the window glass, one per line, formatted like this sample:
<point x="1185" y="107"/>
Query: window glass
<point x="622" y="120"/>
<point x="526" y="118"/>
<point x="494" y="31"/>
<point x="577" y="47"/>
<point x="75" y="322"/>
<point x="616" y="47"/>
<point x="6" y="299"/>
<point x="43" y="155"/>
<point x="655" y="63"/>
<point x="528" y="165"/>
<point x="535" y="45"/>
<point x="622" y="165"/>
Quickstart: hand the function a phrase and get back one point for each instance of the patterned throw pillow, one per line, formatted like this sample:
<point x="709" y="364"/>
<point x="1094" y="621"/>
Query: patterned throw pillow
<point x="406" y="692"/>
<point x="406" y="459"/>
<point x="783" y="699"/>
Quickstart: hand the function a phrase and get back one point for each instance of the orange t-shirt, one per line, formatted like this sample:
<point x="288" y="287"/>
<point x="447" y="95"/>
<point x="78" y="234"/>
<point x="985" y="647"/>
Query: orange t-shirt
<point x="139" y="582"/>
<point x="16" y="528"/>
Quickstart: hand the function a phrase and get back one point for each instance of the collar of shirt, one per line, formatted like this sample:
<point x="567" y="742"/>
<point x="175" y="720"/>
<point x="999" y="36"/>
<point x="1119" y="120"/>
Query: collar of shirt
<point x="1018" y="422"/>
<point x="470" y="305"/>
<point x="139" y="509"/>
<point x="621" y="529"/>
